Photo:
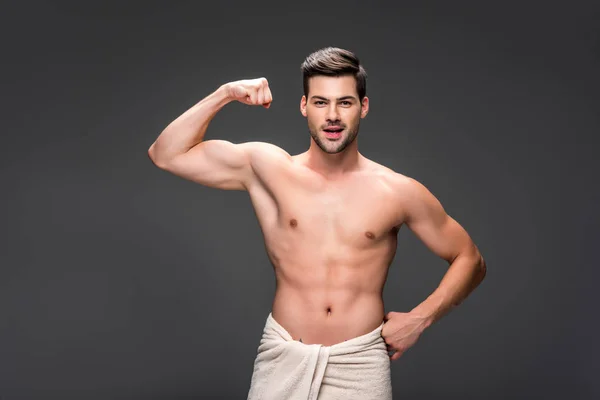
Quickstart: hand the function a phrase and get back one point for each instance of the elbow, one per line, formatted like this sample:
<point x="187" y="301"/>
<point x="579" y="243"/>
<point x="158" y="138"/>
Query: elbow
<point x="153" y="157"/>
<point x="482" y="268"/>
<point x="151" y="153"/>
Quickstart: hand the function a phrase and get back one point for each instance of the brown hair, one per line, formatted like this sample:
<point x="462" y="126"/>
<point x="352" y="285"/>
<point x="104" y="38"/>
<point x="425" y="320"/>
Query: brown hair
<point x="333" y="61"/>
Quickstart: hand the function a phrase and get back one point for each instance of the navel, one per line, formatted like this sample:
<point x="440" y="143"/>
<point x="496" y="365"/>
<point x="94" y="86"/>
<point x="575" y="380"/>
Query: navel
<point x="370" y="235"/>
<point x="293" y="223"/>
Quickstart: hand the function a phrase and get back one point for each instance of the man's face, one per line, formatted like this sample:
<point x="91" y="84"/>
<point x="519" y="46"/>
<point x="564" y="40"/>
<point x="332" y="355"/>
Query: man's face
<point x="333" y="111"/>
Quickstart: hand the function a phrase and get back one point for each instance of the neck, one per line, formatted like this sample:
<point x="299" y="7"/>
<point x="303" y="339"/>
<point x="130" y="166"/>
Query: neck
<point x="333" y="165"/>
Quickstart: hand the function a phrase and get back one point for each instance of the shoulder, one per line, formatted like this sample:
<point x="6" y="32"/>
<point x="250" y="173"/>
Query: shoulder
<point x="263" y="155"/>
<point x="269" y="163"/>
<point x="405" y="191"/>
<point x="393" y="181"/>
<point x="264" y="149"/>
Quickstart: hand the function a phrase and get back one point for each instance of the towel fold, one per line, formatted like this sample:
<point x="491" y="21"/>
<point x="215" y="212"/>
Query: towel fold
<point x="358" y="368"/>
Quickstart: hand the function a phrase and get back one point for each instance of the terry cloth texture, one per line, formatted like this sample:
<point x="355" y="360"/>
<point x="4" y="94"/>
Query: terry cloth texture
<point x="286" y="369"/>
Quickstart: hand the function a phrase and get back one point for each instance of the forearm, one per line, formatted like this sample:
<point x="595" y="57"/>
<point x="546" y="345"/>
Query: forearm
<point x="189" y="128"/>
<point x="464" y="274"/>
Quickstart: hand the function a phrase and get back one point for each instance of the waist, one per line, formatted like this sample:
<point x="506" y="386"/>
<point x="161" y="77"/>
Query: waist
<point x="325" y="317"/>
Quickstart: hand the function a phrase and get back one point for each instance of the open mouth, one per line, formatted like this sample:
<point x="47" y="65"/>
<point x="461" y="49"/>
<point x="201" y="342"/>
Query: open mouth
<point x="333" y="132"/>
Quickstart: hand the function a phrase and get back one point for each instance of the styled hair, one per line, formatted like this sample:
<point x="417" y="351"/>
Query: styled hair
<point x="333" y="61"/>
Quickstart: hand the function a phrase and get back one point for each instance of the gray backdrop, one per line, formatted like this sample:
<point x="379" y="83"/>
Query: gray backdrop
<point x="121" y="281"/>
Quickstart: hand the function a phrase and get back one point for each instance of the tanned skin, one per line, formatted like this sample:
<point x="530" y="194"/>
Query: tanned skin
<point x="329" y="216"/>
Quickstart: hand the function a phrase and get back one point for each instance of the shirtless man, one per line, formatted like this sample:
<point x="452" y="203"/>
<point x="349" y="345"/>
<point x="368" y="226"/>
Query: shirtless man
<point x="329" y="216"/>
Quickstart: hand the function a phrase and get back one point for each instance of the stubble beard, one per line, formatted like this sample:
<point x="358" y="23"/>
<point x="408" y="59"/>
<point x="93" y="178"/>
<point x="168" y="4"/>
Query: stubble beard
<point x="339" y="145"/>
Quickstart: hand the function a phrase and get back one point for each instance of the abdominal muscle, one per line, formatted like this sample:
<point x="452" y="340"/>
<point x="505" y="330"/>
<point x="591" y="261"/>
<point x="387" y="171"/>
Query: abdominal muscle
<point x="317" y="309"/>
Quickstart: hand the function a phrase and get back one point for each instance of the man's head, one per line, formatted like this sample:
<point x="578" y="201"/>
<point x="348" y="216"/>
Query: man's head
<point x="335" y="86"/>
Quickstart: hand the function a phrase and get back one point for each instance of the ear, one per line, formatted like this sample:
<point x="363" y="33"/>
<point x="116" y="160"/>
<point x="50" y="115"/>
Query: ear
<point x="364" y="107"/>
<point x="303" y="105"/>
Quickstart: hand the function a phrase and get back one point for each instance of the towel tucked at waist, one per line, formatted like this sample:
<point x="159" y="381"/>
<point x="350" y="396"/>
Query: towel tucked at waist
<point x="358" y="368"/>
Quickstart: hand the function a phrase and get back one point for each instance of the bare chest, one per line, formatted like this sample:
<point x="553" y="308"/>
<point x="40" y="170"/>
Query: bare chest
<point x="358" y="213"/>
<point x="349" y="217"/>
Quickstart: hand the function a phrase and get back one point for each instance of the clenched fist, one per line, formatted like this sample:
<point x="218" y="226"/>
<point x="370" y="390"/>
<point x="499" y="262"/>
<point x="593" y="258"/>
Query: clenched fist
<point x="250" y="91"/>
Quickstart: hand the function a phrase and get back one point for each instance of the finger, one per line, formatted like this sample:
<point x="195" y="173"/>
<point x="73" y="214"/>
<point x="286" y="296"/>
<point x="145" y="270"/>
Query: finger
<point x="268" y="97"/>
<point x="397" y="355"/>
<point x="260" y="96"/>
<point x="252" y="94"/>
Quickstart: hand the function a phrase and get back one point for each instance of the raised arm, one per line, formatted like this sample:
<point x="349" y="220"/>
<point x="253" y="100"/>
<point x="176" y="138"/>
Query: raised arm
<point x="181" y="149"/>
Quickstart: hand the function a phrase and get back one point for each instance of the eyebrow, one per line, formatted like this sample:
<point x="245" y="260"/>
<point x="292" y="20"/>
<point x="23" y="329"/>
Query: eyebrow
<point x="339" y="98"/>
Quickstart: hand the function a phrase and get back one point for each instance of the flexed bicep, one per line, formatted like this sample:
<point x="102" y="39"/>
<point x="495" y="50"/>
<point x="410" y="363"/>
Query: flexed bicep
<point x="218" y="164"/>
<point x="225" y="165"/>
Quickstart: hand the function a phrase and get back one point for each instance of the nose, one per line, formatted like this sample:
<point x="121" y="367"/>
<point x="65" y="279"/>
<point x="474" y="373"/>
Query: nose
<point x="333" y="114"/>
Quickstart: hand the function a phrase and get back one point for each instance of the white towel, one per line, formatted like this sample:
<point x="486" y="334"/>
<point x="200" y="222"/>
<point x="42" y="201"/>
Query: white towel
<point x="358" y="368"/>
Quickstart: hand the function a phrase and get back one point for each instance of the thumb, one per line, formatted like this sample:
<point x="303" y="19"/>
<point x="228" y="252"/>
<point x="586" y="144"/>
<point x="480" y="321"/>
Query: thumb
<point x="239" y="92"/>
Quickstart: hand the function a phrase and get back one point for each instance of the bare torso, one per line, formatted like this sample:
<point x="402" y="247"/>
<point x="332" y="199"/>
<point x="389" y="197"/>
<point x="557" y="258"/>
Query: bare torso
<point x="330" y="242"/>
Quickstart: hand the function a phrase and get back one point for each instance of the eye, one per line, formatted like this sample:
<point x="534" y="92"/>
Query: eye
<point x="346" y="103"/>
<point x="318" y="102"/>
